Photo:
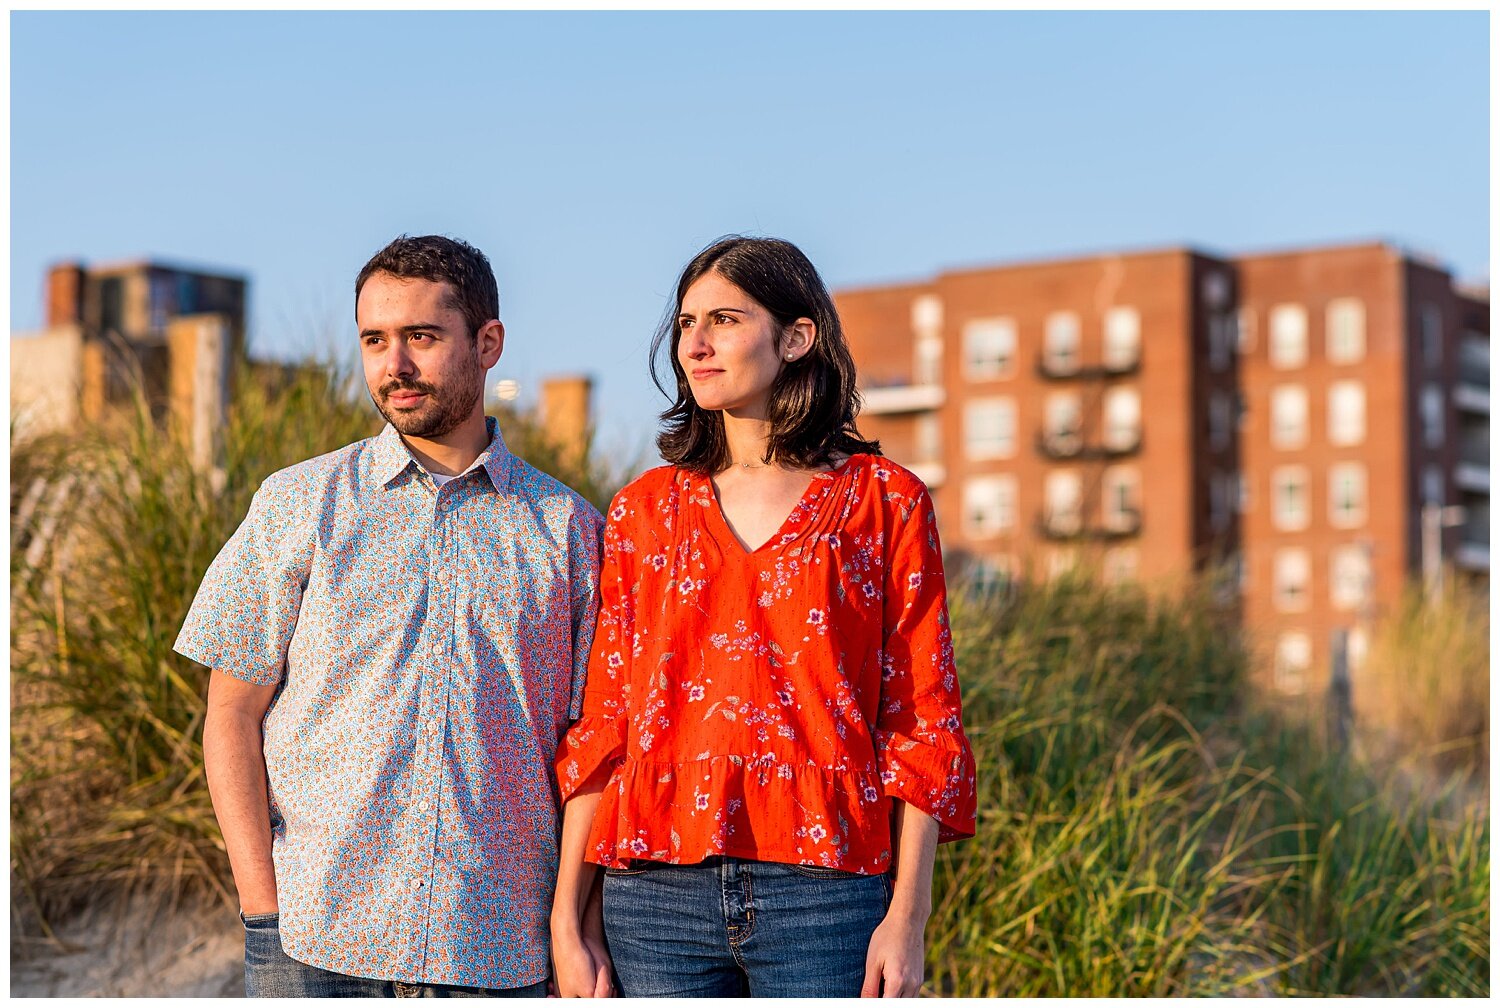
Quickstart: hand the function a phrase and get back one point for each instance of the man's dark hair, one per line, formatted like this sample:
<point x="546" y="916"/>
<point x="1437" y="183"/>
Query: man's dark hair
<point x="440" y="259"/>
<point x="813" y="400"/>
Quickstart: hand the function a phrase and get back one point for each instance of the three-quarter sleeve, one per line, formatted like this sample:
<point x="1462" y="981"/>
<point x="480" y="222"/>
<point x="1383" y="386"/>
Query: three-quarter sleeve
<point x="245" y="612"/>
<point x="922" y="754"/>
<point x="596" y="741"/>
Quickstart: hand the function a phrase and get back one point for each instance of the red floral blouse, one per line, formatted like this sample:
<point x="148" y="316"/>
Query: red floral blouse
<point x="768" y="704"/>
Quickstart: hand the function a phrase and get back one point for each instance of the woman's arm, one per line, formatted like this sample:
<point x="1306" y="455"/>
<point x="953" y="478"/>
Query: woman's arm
<point x="579" y="957"/>
<point x="894" y="964"/>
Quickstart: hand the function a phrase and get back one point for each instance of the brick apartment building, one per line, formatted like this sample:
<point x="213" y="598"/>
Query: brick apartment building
<point x="1152" y="413"/>
<point x="178" y="337"/>
<point x="114" y="330"/>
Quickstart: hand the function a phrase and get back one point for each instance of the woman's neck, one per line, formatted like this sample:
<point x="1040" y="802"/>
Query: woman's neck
<point x="746" y="438"/>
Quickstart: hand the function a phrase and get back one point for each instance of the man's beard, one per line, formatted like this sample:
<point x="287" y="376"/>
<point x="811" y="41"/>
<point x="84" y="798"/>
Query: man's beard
<point x="442" y="411"/>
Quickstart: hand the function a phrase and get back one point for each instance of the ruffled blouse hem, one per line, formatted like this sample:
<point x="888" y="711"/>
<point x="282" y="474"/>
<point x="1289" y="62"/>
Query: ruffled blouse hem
<point x="682" y="813"/>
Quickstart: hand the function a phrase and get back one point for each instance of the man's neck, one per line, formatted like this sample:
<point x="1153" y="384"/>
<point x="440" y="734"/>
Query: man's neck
<point x="455" y="451"/>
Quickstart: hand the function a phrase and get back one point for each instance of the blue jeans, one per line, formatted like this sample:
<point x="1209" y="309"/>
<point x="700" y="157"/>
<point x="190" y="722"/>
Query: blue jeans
<point x="729" y="927"/>
<point x="270" y="972"/>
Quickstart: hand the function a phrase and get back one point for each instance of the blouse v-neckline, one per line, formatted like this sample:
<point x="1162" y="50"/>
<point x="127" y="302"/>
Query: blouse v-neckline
<point x="792" y="526"/>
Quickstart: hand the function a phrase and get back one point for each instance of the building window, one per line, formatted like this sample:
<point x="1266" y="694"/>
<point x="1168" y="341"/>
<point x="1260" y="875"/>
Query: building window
<point x="990" y="428"/>
<point x="1432" y="486"/>
<point x="928" y="368"/>
<point x="993" y="573"/>
<point x="1122" y="418"/>
<point x="1293" y="662"/>
<point x="1122" y="338"/>
<point x="1245" y="330"/>
<point x="1064" y="499"/>
<point x="1122" y="564"/>
<point x="1292" y="573"/>
<point x="1357" y="649"/>
<point x="989" y="506"/>
<point x="1289" y="507"/>
<point x="1346" y="413"/>
<point x="1215" y="289"/>
<point x="1064" y="422"/>
<point x="1223" y="489"/>
<point x="1220" y="419"/>
<point x="989" y="349"/>
<point x="1345" y="324"/>
<point x="1221" y="339"/>
<point x="927" y="315"/>
<point x="1288" y="336"/>
<point x="929" y="438"/>
<point x="1432" y="335"/>
<point x="1061" y="347"/>
<point x="1348" y="577"/>
<point x="1122" y="493"/>
<point x="1288" y="416"/>
<point x="1432" y="415"/>
<point x="1346" y="494"/>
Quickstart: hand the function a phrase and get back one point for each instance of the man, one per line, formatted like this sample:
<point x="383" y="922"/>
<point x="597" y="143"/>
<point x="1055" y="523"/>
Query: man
<point x="398" y="634"/>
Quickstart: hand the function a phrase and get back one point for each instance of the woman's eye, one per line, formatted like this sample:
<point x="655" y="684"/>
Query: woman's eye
<point x="723" y="319"/>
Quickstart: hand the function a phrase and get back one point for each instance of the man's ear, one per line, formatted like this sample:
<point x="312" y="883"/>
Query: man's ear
<point x="490" y="341"/>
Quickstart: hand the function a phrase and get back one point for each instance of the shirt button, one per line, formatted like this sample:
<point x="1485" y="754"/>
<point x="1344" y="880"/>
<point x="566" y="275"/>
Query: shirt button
<point x="424" y="805"/>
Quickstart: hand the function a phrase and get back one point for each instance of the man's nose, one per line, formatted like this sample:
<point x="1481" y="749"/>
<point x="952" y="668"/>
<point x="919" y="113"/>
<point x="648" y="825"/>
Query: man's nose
<point x="398" y="362"/>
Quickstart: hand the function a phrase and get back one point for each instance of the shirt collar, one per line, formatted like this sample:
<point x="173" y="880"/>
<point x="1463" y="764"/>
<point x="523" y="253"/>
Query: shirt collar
<point x="391" y="457"/>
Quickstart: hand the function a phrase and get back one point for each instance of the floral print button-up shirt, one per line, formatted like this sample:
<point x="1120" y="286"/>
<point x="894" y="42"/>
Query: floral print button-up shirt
<point x="429" y="646"/>
<point x="769" y="704"/>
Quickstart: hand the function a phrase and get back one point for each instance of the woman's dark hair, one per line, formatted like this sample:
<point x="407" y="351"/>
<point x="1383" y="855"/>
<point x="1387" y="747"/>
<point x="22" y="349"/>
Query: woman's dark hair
<point x="813" y="400"/>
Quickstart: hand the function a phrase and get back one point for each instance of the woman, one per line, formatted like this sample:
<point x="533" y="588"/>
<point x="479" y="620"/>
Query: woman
<point x="770" y="747"/>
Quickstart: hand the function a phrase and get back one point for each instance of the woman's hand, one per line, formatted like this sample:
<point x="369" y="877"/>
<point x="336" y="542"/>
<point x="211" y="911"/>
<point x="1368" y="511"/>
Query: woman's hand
<point x="581" y="966"/>
<point x="893" y="966"/>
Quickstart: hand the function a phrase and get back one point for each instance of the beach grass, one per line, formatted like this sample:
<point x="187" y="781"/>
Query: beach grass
<point x="1147" y="824"/>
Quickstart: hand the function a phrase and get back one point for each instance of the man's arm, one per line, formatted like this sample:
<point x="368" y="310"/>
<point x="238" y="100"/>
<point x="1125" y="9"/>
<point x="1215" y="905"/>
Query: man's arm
<point x="234" y="762"/>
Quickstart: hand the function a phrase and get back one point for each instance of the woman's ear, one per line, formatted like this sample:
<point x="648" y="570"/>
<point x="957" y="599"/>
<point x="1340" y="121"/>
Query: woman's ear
<point x="797" y="341"/>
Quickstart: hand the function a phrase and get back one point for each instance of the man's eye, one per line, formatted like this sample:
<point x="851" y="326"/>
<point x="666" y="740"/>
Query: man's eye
<point x="372" y="341"/>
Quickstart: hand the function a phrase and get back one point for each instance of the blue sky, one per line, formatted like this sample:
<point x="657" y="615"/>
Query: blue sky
<point x="591" y="154"/>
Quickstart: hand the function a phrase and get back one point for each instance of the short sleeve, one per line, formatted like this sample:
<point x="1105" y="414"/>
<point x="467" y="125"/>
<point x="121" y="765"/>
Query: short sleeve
<point x="596" y="742"/>
<point x="583" y="546"/>
<point x="922" y="753"/>
<point x="242" y="619"/>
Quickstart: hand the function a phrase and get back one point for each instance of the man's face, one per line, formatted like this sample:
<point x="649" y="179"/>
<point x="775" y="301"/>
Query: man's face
<point x="424" y="369"/>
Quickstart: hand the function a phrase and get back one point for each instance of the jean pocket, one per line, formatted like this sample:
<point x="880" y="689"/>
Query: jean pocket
<point x="814" y="871"/>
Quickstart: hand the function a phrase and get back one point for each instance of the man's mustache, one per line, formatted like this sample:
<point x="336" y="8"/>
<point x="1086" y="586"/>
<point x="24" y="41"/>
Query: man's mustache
<point x="405" y="386"/>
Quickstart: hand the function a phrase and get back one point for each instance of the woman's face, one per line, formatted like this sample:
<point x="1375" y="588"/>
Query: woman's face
<point x="732" y="348"/>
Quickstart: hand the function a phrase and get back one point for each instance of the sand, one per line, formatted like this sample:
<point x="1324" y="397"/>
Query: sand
<point x="192" y="952"/>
